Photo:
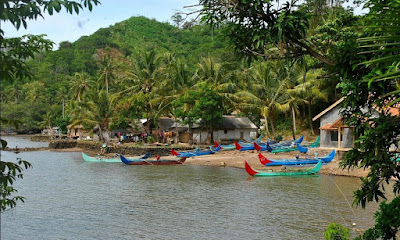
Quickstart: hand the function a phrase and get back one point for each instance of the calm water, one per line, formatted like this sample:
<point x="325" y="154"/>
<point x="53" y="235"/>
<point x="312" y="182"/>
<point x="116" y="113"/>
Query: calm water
<point x="67" y="198"/>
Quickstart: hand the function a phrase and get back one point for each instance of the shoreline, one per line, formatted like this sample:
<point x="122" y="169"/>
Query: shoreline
<point x="236" y="159"/>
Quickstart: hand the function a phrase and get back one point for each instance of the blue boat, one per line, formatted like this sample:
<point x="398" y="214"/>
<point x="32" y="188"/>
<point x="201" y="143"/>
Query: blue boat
<point x="296" y="161"/>
<point x="195" y="153"/>
<point x="233" y="146"/>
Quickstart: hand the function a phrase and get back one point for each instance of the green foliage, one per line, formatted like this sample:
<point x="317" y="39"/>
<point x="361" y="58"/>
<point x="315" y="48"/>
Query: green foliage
<point x="387" y="221"/>
<point x="336" y="231"/>
<point x="9" y="173"/>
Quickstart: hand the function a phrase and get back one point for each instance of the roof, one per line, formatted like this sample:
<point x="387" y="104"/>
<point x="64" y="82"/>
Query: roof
<point x="328" y="109"/>
<point x="165" y="123"/>
<point x="233" y="122"/>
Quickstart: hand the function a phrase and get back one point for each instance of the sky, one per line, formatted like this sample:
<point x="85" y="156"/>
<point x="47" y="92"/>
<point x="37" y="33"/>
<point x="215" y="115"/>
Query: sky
<point x="66" y="27"/>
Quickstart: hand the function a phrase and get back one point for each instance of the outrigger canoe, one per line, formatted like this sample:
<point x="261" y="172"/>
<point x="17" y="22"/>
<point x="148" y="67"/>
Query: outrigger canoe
<point x="269" y="149"/>
<point x="256" y="173"/>
<point x="156" y="161"/>
<point x="296" y="161"/>
<point x="195" y="153"/>
<point x="88" y="158"/>
<point x="233" y="146"/>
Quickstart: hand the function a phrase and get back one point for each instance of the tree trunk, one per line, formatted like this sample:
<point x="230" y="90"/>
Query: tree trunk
<point x="176" y="132"/>
<point x="272" y="128"/>
<point x="63" y="108"/>
<point x="190" y="140"/>
<point x="294" y="123"/>
<point x="266" y="126"/>
<point x="310" y="118"/>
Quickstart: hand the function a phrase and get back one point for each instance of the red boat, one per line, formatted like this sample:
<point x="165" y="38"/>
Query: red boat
<point x="156" y="161"/>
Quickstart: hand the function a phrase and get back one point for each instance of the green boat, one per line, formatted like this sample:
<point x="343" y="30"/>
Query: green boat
<point x="256" y="173"/>
<point x="88" y="158"/>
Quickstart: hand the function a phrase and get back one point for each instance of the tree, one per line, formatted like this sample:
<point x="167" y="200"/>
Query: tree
<point x="145" y="75"/>
<point x="80" y="84"/>
<point x="308" y="91"/>
<point x="255" y="27"/>
<point x="107" y="69"/>
<point x="262" y="93"/>
<point x="13" y="64"/>
<point x="207" y="108"/>
<point x="96" y="111"/>
<point x="177" y="19"/>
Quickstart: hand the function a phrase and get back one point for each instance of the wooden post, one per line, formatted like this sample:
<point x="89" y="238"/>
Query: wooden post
<point x="339" y="137"/>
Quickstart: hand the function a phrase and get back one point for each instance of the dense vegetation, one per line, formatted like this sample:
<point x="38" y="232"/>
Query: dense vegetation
<point x="147" y="67"/>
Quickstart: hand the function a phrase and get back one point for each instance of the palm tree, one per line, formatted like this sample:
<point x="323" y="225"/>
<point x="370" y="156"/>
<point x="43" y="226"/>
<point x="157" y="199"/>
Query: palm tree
<point x="63" y="96"/>
<point x="95" y="112"/>
<point x="145" y="75"/>
<point x="80" y="84"/>
<point x="262" y="93"/>
<point x="212" y="72"/>
<point x="308" y="90"/>
<point x="107" y="70"/>
<point x="47" y="119"/>
<point x="176" y="85"/>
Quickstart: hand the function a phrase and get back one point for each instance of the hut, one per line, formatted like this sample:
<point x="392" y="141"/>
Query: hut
<point x="231" y="128"/>
<point x="77" y="132"/>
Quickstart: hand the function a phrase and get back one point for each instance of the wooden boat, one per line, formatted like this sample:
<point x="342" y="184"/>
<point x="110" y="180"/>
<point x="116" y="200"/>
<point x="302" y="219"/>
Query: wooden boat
<point x="314" y="144"/>
<point x="195" y="153"/>
<point x="233" y="146"/>
<point x="156" y="161"/>
<point x="269" y="149"/>
<point x="88" y="158"/>
<point x="256" y="173"/>
<point x="296" y="161"/>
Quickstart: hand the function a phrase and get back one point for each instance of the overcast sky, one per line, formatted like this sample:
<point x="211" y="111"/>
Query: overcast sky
<point x="66" y="27"/>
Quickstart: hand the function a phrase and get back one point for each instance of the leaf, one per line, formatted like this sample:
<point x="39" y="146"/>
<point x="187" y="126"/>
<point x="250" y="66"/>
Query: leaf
<point x="3" y="143"/>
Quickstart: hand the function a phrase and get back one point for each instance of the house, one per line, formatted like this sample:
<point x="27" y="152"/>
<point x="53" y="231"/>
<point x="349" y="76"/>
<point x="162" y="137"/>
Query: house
<point x="77" y="132"/>
<point x="336" y="134"/>
<point x="231" y="128"/>
<point x="333" y="132"/>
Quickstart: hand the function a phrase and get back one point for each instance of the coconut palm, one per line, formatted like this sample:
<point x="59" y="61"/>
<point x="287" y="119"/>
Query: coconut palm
<point x="176" y="85"/>
<point x="47" y="120"/>
<point x="107" y="69"/>
<point x="309" y="90"/>
<point x="96" y="112"/>
<point x="212" y="72"/>
<point x="80" y="84"/>
<point x="262" y="93"/>
<point x="144" y="76"/>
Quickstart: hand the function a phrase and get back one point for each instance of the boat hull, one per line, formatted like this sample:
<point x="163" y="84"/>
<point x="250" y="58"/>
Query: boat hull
<point x="151" y="161"/>
<point x="256" y="173"/>
<point x="296" y="161"/>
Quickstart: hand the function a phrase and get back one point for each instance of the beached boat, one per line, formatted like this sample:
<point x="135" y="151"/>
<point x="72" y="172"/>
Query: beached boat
<point x="315" y="144"/>
<point x="233" y="146"/>
<point x="195" y="153"/>
<point x="156" y="161"/>
<point x="88" y="158"/>
<point x="269" y="149"/>
<point x="256" y="173"/>
<point x="296" y="161"/>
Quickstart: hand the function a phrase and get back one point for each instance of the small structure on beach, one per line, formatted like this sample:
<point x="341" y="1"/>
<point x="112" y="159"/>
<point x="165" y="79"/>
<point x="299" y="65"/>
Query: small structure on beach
<point x="333" y="132"/>
<point x="230" y="129"/>
<point x="77" y="132"/>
